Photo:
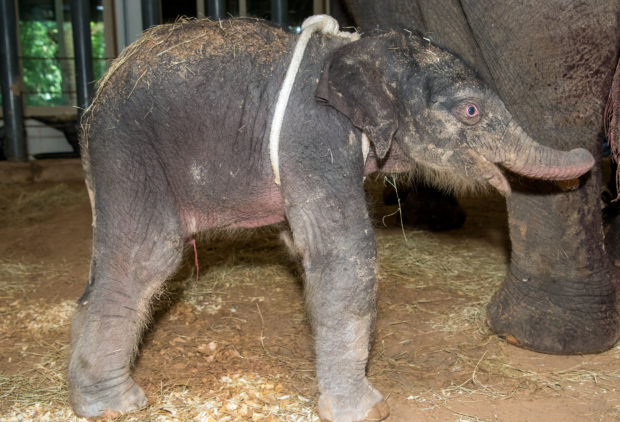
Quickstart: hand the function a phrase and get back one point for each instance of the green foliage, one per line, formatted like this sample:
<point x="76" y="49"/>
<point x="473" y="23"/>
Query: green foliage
<point x="42" y="76"/>
<point x="98" y="42"/>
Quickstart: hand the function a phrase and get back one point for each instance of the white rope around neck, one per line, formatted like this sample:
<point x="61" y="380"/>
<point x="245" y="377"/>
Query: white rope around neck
<point x="326" y="25"/>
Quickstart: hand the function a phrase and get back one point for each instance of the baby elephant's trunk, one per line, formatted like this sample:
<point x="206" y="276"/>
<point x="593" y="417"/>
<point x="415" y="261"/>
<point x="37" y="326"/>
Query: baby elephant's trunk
<point x="529" y="158"/>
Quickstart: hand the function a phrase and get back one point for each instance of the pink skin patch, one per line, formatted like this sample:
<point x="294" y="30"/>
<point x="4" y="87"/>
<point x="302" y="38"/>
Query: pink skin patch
<point x="268" y="213"/>
<point x="261" y="207"/>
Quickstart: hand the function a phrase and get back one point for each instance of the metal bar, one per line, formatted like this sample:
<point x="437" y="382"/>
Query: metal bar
<point x="318" y="7"/>
<point x="80" y="19"/>
<point x="217" y="9"/>
<point x="151" y="13"/>
<point x="200" y="8"/>
<point x="12" y="84"/>
<point x="119" y="25"/>
<point x="62" y="52"/>
<point x="243" y="8"/>
<point x="109" y="30"/>
<point x="279" y="12"/>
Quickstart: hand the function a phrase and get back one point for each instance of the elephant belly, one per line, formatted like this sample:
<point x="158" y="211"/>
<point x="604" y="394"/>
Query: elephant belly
<point x="252" y="212"/>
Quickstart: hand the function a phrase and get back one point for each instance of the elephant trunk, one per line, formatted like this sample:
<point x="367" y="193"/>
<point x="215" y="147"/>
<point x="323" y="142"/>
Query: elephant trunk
<point x="529" y="158"/>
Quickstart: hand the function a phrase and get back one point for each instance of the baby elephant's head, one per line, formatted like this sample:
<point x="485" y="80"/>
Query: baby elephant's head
<point x="399" y="88"/>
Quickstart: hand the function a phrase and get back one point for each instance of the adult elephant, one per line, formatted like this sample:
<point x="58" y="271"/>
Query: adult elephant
<point x="552" y="63"/>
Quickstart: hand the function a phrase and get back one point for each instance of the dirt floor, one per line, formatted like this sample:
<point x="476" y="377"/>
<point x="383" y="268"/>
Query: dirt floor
<point x="236" y="345"/>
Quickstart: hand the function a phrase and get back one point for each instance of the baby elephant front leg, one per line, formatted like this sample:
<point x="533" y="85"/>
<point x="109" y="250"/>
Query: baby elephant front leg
<point x="340" y="291"/>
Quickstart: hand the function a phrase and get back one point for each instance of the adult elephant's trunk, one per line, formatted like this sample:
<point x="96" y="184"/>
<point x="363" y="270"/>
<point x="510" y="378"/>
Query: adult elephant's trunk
<point x="528" y="158"/>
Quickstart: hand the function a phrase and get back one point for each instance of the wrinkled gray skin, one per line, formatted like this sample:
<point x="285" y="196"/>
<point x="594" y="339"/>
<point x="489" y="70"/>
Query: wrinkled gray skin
<point x="176" y="142"/>
<point x="552" y="63"/>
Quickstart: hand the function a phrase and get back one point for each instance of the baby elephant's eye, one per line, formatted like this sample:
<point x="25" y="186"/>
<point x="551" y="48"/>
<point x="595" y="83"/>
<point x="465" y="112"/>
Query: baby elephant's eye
<point x="467" y="112"/>
<point x="472" y="110"/>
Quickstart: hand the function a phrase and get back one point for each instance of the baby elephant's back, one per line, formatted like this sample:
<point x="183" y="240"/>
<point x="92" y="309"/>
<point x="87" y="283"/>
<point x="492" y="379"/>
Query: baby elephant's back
<point x="193" y="91"/>
<point x="192" y="58"/>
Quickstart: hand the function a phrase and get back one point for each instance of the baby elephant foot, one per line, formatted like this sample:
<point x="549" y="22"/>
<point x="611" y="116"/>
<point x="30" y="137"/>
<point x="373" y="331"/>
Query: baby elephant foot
<point x="367" y="406"/>
<point x="121" y="398"/>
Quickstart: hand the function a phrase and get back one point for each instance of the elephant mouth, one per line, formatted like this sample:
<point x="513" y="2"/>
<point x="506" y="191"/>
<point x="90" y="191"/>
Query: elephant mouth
<point x="489" y="172"/>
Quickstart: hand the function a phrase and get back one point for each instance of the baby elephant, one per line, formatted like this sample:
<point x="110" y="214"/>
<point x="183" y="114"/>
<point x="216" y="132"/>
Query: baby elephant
<point x="177" y="142"/>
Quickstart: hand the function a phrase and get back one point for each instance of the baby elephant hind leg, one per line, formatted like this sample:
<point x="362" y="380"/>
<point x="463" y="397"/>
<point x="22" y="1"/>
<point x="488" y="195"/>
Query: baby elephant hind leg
<point x="132" y="257"/>
<point x="339" y="257"/>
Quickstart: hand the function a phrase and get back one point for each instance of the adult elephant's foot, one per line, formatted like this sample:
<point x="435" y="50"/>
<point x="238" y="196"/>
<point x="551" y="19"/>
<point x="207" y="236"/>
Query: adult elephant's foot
<point x="555" y="316"/>
<point x="110" y="400"/>
<point x="367" y="405"/>
<point x="560" y="293"/>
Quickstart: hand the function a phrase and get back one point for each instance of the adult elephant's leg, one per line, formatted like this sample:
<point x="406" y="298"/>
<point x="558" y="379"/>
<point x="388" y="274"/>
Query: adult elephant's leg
<point x="559" y="295"/>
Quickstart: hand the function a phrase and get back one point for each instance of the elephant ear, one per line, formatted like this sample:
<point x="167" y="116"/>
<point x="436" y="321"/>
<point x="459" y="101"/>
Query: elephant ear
<point x="353" y="83"/>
